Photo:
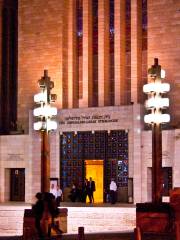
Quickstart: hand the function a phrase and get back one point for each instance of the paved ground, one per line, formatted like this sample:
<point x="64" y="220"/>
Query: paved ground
<point x="102" y="236"/>
<point x="93" y="236"/>
<point x="79" y="204"/>
<point x="74" y="204"/>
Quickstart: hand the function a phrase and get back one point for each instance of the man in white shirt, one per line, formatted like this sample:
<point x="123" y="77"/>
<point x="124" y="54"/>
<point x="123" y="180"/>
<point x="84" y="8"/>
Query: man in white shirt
<point x="59" y="195"/>
<point x="53" y="190"/>
<point x="113" y="190"/>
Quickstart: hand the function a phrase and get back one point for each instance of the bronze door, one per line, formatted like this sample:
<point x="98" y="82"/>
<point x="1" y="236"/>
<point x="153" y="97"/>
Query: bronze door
<point x="17" y="184"/>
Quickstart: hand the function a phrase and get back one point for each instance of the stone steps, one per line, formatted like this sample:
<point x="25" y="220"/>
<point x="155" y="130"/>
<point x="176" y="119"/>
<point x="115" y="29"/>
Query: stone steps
<point x="103" y="236"/>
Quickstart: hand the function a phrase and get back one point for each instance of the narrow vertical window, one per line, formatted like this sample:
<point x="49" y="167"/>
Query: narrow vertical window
<point x="95" y="52"/>
<point x="111" y="30"/>
<point x="8" y="95"/>
<point x="79" y="45"/>
<point x="128" y="49"/>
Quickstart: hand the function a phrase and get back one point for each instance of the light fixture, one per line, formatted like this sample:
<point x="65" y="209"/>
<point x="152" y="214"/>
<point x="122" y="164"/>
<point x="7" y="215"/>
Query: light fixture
<point x="45" y="112"/>
<point x="157" y="118"/>
<point x="156" y="87"/>
<point x="156" y="104"/>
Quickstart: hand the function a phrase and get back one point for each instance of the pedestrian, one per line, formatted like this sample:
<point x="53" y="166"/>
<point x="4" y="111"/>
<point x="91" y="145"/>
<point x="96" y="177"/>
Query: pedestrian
<point x="38" y="209"/>
<point x="73" y="193"/>
<point x="84" y="191"/>
<point x="113" y="190"/>
<point x="53" y="190"/>
<point x="59" y="197"/>
<point x="91" y="190"/>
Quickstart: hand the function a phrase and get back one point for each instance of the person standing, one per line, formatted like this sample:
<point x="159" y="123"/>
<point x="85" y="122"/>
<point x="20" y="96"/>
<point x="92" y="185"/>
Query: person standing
<point x="91" y="190"/>
<point x="53" y="190"/>
<point x="59" y="196"/>
<point x="84" y="190"/>
<point x="38" y="209"/>
<point x="73" y="193"/>
<point x="113" y="190"/>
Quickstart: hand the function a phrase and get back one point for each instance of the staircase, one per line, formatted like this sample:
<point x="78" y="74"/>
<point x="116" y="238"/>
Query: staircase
<point x="103" y="236"/>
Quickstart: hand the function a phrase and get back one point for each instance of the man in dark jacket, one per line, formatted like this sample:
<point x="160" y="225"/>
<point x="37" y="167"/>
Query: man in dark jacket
<point x="91" y="190"/>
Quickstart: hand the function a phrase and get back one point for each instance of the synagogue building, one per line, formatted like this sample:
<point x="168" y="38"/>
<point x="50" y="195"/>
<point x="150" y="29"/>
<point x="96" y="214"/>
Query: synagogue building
<point x="97" y="53"/>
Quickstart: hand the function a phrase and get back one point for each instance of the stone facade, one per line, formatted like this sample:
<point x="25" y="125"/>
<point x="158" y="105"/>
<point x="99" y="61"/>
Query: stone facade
<point x="53" y="48"/>
<point x="163" y="43"/>
<point x="24" y="151"/>
<point x="45" y="42"/>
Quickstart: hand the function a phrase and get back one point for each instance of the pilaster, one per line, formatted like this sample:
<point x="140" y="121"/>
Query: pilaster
<point x="64" y="84"/>
<point x="120" y="51"/>
<point x="103" y="54"/>
<point x="136" y="50"/>
<point x="87" y="78"/>
<point x="72" y="57"/>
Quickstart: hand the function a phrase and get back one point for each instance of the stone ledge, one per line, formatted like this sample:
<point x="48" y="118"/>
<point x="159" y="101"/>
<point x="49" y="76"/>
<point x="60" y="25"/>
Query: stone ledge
<point x="112" y="219"/>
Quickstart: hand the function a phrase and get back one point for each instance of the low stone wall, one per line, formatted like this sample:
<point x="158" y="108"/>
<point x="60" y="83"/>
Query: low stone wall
<point x="11" y="219"/>
<point x="101" y="219"/>
<point x="93" y="219"/>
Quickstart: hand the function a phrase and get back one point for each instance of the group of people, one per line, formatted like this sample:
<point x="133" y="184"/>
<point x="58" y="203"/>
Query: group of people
<point x="57" y="192"/>
<point x="88" y="189"/>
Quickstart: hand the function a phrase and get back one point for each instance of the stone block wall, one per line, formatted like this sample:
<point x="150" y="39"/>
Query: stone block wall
<point x="170" y="143"/>
<point x="24" y="151"/>
<point x="101" y="219"/>
<point x="39" y="48"/>
<point x="163" y="43"/>
<point x="14" y="153"/>
<point x="94" y="219"/>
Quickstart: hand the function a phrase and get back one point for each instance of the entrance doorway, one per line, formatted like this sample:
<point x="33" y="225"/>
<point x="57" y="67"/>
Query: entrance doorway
<point x="17" y="189"/>
<point x="95" y="169"/>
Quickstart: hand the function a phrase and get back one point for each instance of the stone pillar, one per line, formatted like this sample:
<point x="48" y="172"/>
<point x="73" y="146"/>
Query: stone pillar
<point x="64" y="56"/>
<point x="137" y="159"/>
<point x="103" y="54"/>
<point x="120" y="53"/>
<point x="87" y="79"/>
<point x="176" y="162"/>
<point x="1" y="39"/>
<point x="33" y="168"/>
<point x="136" y="50"/>
<point x="54" y="154"/>
<point x="72" y="57"/>
<point x="0" y="54"/>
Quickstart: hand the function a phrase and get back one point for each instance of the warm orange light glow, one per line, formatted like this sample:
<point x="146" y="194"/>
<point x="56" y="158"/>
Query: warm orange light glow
<point x="94" y="169"/>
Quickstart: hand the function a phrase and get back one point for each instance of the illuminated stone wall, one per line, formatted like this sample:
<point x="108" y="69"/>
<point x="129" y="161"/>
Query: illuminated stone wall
<point x="40" y="47"/>
<point x="163" y="43"/>
<point x="24" y="151"/>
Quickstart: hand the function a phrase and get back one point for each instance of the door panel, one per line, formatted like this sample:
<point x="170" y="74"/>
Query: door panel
<point x="17" y="184"/>
<point x="94" y="169"/>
